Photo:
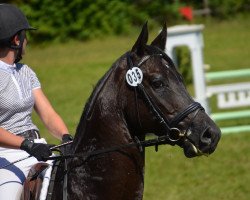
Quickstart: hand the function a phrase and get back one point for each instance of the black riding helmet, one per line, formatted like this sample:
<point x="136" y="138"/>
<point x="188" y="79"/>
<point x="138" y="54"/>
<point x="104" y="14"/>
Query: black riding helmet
<point x="12" y="22"/>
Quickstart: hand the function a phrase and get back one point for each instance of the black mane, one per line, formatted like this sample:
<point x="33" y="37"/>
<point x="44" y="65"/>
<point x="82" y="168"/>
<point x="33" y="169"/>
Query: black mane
<point x="92" y="99"/>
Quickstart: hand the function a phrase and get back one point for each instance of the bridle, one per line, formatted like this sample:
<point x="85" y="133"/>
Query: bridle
<point x="173" y="133"/>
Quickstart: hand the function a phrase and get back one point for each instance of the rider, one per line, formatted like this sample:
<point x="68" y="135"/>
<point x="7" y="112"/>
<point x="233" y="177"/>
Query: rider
<point x="20" y="92"/>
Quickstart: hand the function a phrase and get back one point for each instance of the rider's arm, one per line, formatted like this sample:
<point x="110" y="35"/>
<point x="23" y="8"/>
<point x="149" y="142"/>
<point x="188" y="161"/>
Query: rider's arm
<point x="48" y="115"/>
<point x="9" y="140"/>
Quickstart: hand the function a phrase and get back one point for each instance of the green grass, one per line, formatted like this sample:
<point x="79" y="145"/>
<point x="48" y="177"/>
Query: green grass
<point x="227" y="44"/>
<point x="223" y="175"/>
<point x="69" y="71"/>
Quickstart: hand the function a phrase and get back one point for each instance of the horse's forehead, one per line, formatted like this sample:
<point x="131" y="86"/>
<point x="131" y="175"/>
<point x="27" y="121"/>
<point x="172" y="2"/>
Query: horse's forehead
<point x="156" y="64"/>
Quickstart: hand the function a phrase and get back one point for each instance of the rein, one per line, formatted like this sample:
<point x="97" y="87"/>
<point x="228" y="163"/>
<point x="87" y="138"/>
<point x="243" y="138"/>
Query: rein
<point x="85" y="156"/>
<point x="140" y="144"/>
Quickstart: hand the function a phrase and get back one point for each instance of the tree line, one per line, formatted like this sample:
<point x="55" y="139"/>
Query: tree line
<point x="85" y="19"/>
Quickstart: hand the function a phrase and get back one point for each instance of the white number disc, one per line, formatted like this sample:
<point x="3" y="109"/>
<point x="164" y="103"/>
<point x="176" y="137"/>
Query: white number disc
<point x="134" y="76"/>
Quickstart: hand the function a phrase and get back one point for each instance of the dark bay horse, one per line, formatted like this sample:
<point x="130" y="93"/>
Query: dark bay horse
<point x="141" y="93"/>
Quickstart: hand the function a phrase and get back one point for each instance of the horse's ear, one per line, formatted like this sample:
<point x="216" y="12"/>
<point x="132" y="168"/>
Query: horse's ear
<point x="141" y="42"/>
<point x="161" y="39"/>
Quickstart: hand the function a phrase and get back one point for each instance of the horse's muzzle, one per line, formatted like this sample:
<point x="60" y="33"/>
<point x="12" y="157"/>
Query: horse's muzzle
<point x="204" y="143"/>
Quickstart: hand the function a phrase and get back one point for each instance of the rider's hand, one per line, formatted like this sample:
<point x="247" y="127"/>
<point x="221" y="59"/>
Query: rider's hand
<point x="39" y="150"/>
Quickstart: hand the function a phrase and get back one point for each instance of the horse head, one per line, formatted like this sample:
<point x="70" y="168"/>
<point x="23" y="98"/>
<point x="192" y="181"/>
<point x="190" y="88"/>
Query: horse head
<point x="158" y="101"/>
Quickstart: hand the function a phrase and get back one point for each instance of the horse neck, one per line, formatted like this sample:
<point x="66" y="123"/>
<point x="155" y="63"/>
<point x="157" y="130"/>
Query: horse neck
<point x="105" y="125"/>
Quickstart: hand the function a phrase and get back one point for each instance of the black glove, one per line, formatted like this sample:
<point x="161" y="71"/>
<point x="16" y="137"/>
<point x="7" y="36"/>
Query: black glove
<point x="67" y="138"/>
<point x="39" y="150"/>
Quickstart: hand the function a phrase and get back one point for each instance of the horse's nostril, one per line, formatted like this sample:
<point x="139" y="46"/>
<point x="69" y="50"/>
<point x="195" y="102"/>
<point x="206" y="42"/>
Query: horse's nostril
<point x="206" y="137"/>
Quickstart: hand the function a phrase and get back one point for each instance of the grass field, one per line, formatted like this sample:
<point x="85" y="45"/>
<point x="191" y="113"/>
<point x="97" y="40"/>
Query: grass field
<point x="69" y="71"/>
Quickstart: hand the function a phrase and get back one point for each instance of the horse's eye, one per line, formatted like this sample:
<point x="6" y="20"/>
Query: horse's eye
<point x="157" y="84"/>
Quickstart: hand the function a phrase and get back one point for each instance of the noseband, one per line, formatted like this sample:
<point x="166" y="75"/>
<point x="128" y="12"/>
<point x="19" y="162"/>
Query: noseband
<point x="172" y="132"/>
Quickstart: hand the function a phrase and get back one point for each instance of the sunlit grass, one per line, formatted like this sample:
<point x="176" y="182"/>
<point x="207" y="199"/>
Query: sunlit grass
<point x="227" y="44"/>
<point x="223" y="175"/>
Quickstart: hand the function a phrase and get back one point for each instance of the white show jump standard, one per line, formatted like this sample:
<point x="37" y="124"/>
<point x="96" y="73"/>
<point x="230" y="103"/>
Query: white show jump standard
<point x="228" y="95"/>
